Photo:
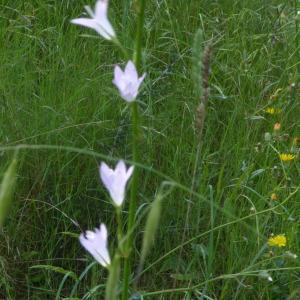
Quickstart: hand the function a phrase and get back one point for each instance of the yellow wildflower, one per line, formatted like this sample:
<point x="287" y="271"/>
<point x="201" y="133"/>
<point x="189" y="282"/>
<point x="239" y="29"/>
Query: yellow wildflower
<point x="272" y="110"/>
<point x="274" y="197"/>
<point x="277" y="240"/>
<point x="286" y="157"/>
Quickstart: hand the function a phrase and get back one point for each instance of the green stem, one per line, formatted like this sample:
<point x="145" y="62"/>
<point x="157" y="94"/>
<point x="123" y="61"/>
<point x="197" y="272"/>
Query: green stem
<point x="297" y="32"/>
<point x="138" y="42"/>
<point x="111" y="290"/>
<point x="121" y="48"/>
<point x="119" y="223"/>
<point x="135" y="152"/>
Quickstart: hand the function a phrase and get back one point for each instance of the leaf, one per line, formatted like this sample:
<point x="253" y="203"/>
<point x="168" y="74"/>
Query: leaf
<point x="71" y="234"/>
<point x="56" y="269"/>
<point x="255" y="118"/>
<point x="200" y="249"/>
<point x="184" y="277"/>
<point x="256" y="173"/>
<point x="7" y="189"/>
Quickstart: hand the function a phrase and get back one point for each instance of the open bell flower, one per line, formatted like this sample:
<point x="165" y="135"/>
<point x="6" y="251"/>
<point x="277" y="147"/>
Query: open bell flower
<point x="115" y="180"/>
<point x="95" y="242"/>
<point x="98" y="20"/>
<point x="128" y="82"/>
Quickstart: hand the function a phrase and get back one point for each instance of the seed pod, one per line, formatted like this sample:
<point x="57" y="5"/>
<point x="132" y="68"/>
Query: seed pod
<point x="7" y="189"/>
<point x="151" y="227"/>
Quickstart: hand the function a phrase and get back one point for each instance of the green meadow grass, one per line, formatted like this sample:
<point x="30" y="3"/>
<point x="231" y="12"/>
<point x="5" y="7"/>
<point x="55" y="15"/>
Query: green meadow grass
<point x="56" y="90"/>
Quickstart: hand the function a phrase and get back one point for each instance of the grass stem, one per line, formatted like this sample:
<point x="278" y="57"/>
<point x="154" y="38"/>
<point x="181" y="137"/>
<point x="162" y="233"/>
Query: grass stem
<point x="135" y="152"/>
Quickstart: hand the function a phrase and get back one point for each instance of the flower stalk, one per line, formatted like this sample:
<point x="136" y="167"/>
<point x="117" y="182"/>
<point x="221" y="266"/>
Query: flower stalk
<point x="119" y="224"/>
<point x="111" y="290"/>
<point x="135" y="152"/>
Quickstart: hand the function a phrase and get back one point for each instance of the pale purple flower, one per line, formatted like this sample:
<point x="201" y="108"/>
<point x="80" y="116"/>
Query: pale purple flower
<point x="128" y="82"/>
<point x="115" y="180"/>
<point x="95" y="242"/>
<point x="98" y="21"/>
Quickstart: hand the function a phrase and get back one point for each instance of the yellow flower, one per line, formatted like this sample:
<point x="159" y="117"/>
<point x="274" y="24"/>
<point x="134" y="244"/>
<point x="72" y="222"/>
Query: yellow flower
<point x="274" y="197"/>
<point x="277" y="240"/>
<point x="287" y="157"/>
<point x="272" y="110"/>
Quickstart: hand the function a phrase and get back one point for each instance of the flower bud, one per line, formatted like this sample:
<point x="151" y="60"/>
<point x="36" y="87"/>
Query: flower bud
<point x="7" y="189"/>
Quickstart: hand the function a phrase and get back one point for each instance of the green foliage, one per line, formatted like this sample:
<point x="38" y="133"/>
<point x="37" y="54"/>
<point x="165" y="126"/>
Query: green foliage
<point x="55" y="89"/>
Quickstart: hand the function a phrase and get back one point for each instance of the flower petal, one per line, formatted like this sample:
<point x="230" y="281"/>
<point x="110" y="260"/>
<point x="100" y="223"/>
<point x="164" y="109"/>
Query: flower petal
<point x="118" y="78"/>
<point x="107" y="28"/>
<point x="85" y="22"/>
<point x="106" y="175"/>
<point x="141" y="79"/>
<point x="128" y="97"/>
<point x="129" y="172"/>
<point x="130" y="91"/>
<point x="101" y="8"/>
<point x="120" y="168"/>
<point x="103" y="231"/>
<point x="131" y="72"/>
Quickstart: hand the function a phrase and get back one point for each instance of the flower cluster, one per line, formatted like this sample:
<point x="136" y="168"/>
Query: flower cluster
<point x="127" y="82"/>
<point x="278" y="137"/>
<point x="272" y="110"/>
<point x="115" y="180"/>
<point x="95" y="242"/>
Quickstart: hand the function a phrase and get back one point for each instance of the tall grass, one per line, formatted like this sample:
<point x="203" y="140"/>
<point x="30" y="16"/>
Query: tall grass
<point x="56" y="92"/>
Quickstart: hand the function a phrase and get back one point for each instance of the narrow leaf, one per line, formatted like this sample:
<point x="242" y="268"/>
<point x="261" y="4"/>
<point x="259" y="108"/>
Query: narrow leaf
<point x="7" y="190"/>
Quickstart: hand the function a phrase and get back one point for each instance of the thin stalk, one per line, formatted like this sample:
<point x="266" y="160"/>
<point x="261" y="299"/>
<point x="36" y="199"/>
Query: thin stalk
<point x="111" y="290"/>
<point x="135" y="153"/>
<point x="297" y="33"/>
<point x="119" y="223"/>
<point x="255" y="273"/>
<point x="296" y="23"/>
<point x="135" y="177"/>
<point x="121" y="48"/>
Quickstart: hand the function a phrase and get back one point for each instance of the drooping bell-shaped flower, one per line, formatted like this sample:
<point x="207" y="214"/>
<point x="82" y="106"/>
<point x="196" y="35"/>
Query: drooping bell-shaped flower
<point x="95" y="242"/>
<point x="128" y="82"/>
<point x="115" y="180"/>
<point x="98" y="20"/>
